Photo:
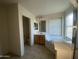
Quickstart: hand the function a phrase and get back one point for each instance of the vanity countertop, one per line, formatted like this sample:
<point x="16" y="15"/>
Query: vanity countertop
<point x="40" y="33"/>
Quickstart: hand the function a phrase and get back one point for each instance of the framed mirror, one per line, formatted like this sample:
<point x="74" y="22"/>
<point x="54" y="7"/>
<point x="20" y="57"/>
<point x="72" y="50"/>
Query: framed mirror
<point x="36" y="26"/>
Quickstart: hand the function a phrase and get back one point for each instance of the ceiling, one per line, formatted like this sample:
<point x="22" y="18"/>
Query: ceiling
<point x="42" y="7"/>
<point x="45" y="7"/>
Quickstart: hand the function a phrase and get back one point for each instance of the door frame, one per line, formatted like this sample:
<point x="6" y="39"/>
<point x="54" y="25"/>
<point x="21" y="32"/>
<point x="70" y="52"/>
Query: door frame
<point x="29" y="28"/>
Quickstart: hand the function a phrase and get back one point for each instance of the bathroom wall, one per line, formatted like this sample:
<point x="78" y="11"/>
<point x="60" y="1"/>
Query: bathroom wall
<point x="24" y="12"/>
<point x="3" y="30"/>
<point x="13" y="29"/>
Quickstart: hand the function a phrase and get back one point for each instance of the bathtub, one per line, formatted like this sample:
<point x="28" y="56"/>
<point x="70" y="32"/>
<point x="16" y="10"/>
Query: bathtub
<point x="60" y="48"/>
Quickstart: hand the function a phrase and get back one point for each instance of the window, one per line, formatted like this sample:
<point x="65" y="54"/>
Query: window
<point x="69" y="26"/>
<point x="54" y="26"/>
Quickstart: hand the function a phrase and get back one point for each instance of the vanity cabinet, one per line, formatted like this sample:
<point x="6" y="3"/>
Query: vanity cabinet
<point x="39" y="39"/>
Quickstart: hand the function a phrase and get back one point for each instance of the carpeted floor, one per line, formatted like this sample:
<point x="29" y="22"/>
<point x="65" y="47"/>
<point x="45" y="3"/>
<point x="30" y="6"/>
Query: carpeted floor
<point x="36" y="52"/>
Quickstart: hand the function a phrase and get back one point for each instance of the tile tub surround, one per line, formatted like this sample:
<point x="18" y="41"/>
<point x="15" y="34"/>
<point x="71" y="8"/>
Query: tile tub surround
<point x="64" y="50"/>
<point x="61" y="50"/>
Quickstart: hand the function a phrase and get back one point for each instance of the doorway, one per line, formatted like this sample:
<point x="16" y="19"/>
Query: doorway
<point x="26" y="30"/>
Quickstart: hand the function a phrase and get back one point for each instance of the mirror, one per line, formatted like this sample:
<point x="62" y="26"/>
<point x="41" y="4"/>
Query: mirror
<point x="36" y="26"/>
<point x="42" y="26"/>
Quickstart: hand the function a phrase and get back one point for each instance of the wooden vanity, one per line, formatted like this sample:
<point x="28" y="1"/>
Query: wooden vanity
<point x="39" y="39"/>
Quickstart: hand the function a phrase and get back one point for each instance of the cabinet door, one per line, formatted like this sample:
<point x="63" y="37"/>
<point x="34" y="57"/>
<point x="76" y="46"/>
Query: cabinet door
<point x="39" y="39"/>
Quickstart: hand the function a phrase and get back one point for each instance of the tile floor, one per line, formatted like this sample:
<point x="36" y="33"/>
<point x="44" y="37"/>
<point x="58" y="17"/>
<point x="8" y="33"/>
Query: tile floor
<point x="35" y="52"/>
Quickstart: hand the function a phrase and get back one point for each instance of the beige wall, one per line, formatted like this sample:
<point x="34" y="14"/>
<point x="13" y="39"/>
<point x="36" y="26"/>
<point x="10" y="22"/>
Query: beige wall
<point x="3" y="30"/>
<point x="52" y="21"/>
<point x="9" y="29"/>
<point x="13" y="26"/>
<point x="24" y="12"/>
